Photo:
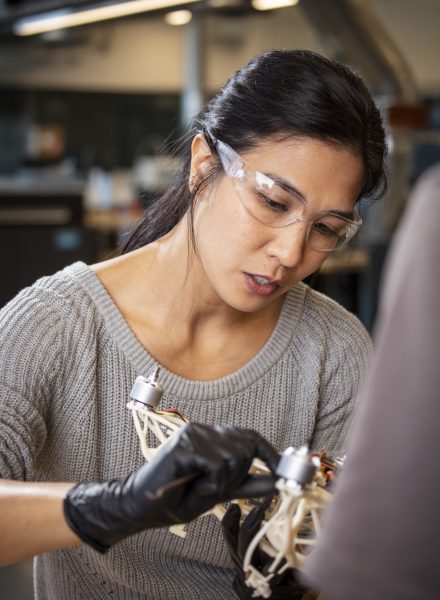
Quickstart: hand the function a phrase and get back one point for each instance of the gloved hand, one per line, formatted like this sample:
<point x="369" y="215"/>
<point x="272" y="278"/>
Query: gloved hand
<point x="217" y="459"/>
<point x="284" y="586"/>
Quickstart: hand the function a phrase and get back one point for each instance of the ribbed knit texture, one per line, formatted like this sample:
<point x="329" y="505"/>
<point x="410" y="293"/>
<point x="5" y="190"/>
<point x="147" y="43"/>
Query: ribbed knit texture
<point x="67" y="363"/>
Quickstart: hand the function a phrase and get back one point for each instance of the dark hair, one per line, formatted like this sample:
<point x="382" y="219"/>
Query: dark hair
<point x="282" y="94"/>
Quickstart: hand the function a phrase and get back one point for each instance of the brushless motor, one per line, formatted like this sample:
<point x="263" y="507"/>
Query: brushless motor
<point x="298" y="466"/>
<point x="147" y="391"/>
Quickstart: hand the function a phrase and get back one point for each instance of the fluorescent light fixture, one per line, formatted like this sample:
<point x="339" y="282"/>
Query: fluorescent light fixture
<point x="178" y="17"/>
<point x="61" y="19"/>
<point x="272" y="4"/>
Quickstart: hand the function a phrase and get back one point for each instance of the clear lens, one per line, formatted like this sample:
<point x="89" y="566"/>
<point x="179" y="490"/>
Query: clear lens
<point x="274" y="206"/>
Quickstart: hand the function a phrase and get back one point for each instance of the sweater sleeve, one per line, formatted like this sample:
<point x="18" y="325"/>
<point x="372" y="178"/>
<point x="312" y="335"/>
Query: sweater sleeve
<point x="348" y="357"/>
<point x="29" y="360"/>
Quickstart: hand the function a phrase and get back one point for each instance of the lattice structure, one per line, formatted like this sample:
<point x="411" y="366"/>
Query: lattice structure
<point x="291" y="532"/>
<point x="158" y="426"/>
<point x="162" y="424"/>
<point x="292" y="521"/>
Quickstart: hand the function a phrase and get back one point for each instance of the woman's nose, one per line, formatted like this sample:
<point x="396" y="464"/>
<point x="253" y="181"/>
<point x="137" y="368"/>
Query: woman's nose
<point x="288" y="243"/>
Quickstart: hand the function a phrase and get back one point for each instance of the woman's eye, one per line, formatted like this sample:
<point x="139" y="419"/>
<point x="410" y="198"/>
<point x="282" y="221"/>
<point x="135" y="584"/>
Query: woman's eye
<point x="272" y="204"/>
<point x="324" y="229"/>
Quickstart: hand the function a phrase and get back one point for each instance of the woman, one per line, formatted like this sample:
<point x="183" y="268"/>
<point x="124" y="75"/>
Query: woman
<point x="209" y="289"/>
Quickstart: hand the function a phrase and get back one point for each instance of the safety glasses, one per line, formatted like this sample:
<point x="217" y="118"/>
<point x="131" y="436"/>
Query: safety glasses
<point x="274" y="205"/>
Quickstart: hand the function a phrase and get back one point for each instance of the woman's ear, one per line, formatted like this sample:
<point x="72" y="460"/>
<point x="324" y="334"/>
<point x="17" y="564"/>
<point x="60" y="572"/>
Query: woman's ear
<point x="201" y="159"/>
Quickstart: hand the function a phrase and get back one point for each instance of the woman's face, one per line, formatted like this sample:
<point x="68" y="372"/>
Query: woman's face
<point x="238" y="254"/>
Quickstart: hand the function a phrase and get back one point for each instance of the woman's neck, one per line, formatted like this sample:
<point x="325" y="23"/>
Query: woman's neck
<point x="165" y="297"/>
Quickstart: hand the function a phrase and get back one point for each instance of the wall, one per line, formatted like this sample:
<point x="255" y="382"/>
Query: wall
<point x="414" y="25"/>
<point x="136" y="55"/>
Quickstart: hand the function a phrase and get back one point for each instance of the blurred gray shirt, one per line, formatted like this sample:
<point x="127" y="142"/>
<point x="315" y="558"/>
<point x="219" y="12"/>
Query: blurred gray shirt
<point x="382" y="533"/>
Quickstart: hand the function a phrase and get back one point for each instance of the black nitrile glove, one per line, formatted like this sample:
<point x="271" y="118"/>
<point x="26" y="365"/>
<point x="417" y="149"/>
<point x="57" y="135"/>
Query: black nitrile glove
<point x="284" y="586"/>
<point x="218" y="460"/>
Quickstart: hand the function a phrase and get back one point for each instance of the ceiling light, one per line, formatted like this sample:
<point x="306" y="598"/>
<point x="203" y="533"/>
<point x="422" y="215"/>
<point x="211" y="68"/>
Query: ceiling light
<point x="62" y="19"/>
<point x="178" y="17"/>
<point x="272" y="4"/>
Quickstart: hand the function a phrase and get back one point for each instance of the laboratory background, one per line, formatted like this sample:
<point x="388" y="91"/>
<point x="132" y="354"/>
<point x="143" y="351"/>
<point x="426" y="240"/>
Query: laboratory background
<point x="91" y="114"/>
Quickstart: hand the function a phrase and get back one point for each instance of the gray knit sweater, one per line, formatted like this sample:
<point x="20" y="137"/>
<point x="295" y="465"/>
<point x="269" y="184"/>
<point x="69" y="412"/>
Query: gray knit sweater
<point x="67" y="362"/>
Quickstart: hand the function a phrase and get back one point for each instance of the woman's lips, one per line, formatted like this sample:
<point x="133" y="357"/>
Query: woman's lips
<point x="259" y="288"/>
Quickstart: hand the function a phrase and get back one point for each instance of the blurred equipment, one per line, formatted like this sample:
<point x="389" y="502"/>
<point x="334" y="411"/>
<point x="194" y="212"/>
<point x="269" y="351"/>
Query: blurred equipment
<point x="41" y="231"/>
<point x="45" y="142"/>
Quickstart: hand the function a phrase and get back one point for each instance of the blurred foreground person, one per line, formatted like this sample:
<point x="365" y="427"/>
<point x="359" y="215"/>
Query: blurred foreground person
<point x="382" y="531"/>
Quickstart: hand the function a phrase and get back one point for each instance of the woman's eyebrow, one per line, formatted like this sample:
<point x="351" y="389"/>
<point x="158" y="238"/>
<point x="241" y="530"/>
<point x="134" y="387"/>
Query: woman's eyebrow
<point x="291" y="189"/>
<point x="286" y="185"/>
